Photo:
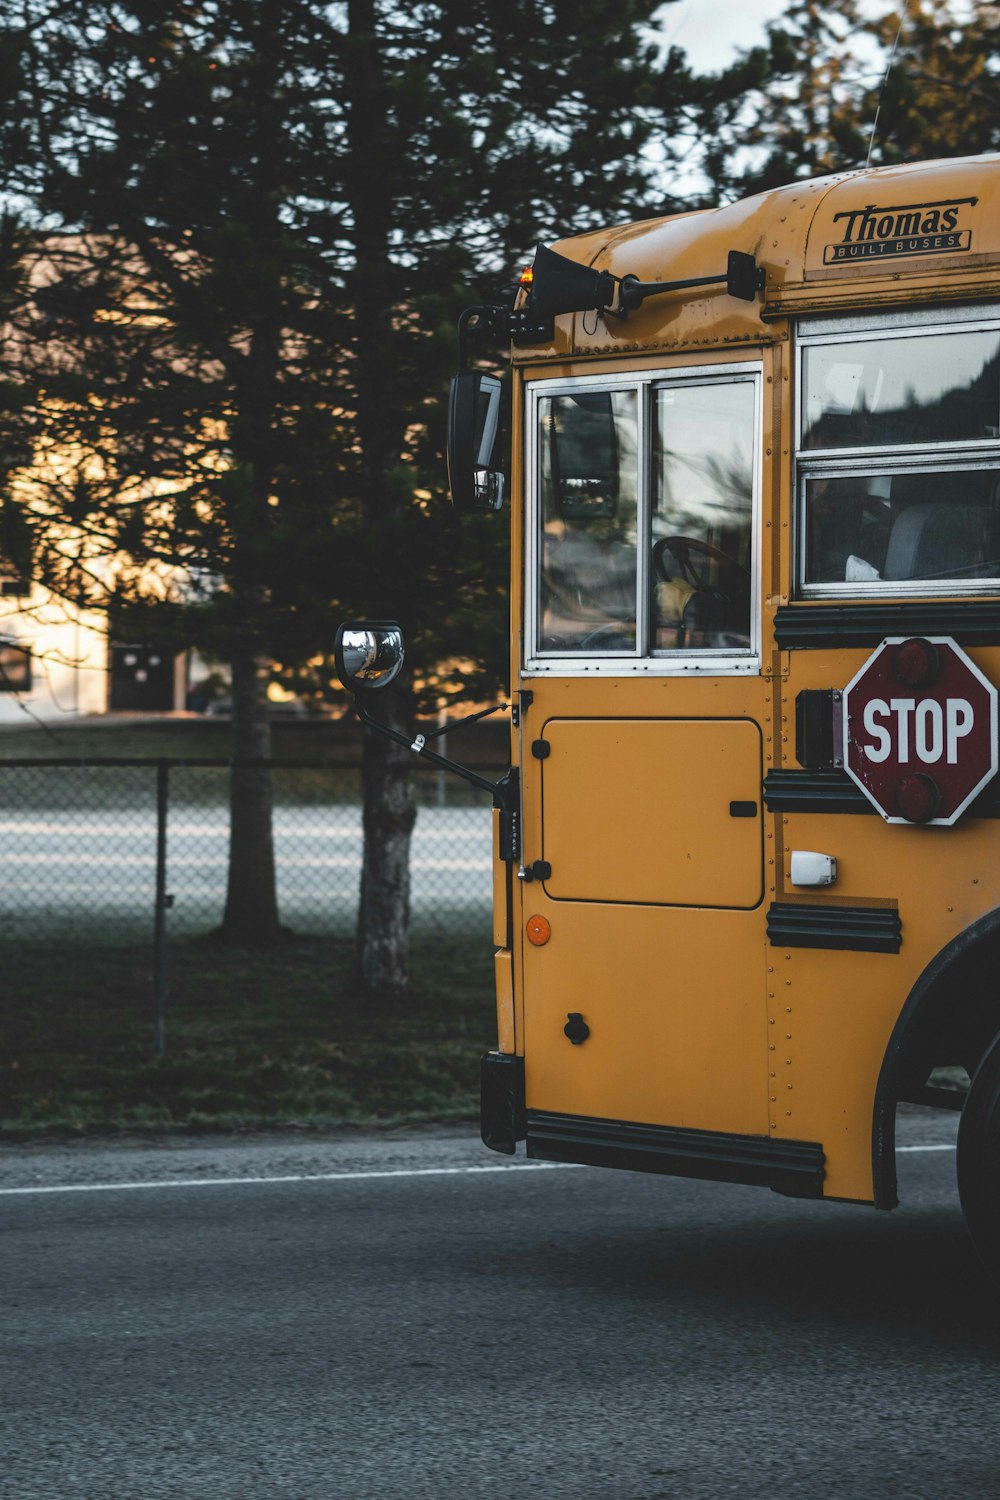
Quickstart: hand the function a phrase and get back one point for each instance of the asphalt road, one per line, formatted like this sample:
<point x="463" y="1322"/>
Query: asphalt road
<point x="384" y="1322"/>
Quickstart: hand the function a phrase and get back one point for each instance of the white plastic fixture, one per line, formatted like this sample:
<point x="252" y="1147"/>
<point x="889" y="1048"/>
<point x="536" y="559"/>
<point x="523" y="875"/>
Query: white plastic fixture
<point x="810" y="868"/>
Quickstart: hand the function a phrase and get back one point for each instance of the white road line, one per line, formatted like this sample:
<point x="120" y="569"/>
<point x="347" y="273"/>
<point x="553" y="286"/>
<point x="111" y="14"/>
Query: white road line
<point x="201" y="1182"/>
<point x="947" y="1146"/>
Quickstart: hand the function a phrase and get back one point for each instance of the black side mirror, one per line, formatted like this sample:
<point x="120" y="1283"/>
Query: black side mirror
<point x="368" y="654"/>
<point x="473" y="421"/>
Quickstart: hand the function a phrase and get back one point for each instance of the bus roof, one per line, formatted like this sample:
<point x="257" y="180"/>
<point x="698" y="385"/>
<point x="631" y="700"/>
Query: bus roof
<point x="919" y="233"/>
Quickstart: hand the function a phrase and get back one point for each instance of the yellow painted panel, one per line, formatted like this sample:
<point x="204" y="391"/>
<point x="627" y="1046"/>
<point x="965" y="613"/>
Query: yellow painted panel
<point x="830" y="1016"/>
<point x="834" y="1012"/>
<point x="638" y="810"/>
<point x="675" y="1003"/>
<point x="505" y="1000"/>
<point x="499" y="888"/>
<point x="942" y="878"/>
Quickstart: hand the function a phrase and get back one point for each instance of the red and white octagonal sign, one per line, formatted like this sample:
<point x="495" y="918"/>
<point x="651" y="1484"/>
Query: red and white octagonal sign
<point x="920" y="729"/>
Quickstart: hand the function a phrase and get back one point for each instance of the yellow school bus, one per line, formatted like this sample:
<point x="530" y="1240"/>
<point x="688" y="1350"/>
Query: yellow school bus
<point x="747" y="889"/>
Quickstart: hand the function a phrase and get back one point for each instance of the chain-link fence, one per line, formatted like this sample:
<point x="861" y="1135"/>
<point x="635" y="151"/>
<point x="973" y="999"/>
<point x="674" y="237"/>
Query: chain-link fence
<point x="105" y="855"/>
<point x="82" y="842"/>
<point x="122" y="1010"/>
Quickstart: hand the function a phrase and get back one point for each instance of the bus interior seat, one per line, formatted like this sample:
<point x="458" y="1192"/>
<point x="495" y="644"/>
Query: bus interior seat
<point x="939" y="540"/>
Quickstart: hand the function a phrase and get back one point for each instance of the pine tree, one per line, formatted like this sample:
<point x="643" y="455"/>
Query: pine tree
<point x="836" y="88"/>
<point x="258" y="220"/>
<point x="942" y="94"/>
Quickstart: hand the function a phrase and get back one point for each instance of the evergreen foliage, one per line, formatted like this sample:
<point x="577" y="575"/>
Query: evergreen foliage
<point x="257" y="221"/>
<point x="817" y="95"/>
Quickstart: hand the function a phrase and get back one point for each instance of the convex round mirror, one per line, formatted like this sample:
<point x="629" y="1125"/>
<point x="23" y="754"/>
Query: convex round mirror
<point x="368" y="654"/>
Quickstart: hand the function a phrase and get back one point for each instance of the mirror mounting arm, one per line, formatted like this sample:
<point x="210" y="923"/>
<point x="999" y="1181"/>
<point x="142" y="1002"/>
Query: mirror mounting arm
<point x="450" y="724"/>
<point x="505" y="792"/>
<point x="743" y="279"/>
<point x="419" y="745"/>
<point x="632" y="292"/>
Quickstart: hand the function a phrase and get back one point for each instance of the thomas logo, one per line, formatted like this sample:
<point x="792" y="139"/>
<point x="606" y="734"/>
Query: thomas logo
<point x="873" y="233"/>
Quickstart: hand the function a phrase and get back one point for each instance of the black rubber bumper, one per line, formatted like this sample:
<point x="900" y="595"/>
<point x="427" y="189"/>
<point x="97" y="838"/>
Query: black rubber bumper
<point x="795" y="1168"/>
<point x="501" y="1109"/>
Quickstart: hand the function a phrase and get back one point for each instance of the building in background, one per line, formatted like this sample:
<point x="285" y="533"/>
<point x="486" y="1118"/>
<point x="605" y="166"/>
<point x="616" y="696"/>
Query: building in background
<point x="56" y="660"/>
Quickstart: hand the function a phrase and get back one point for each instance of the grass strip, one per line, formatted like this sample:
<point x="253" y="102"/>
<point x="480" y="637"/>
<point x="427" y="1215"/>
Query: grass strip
<point x="254" y="1040"/>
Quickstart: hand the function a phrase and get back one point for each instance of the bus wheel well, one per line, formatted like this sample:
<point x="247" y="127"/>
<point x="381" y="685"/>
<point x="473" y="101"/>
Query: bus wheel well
<point x="950" y="1018"/>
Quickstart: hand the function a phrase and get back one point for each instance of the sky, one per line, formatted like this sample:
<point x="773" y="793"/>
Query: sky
<point x="711" y="31"/>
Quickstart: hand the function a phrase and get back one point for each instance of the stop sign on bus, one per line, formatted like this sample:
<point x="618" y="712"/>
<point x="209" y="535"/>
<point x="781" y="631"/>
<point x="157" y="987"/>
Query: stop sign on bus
<point x="920" y="730"/>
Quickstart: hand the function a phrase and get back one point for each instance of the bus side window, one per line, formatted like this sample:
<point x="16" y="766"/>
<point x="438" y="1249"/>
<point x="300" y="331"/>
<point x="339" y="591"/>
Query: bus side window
<point x="848" y="527"/>
<point x="583" y="456"/>
<point x="927" y="527"/>
<point x="703" y="468"/>
<point x="881" y="501"/>
<point x="589" y="516"/>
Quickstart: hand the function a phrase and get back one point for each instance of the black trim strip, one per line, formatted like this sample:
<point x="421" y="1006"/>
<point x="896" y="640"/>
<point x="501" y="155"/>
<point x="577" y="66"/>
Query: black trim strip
<point x="814" y="791"/>
<point x="834" y="792"/>
<point x="812" y="627"/>
<point x="864" y="929"/>
<point x="792" y="1167"/>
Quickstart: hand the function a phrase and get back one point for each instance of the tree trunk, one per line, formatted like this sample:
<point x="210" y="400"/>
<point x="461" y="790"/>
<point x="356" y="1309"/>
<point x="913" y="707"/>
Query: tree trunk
<point x="389" y="816"/>
<point x="389" y="813"/>
<point x="251" y="916"/>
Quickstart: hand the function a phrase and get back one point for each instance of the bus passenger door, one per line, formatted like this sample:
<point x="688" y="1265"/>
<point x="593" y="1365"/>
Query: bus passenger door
<point x="651" y="888"/>
<point x="643" y="955"/>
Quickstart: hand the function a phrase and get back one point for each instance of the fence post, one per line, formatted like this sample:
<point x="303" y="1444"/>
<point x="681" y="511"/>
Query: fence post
<point x="160" y="914"/>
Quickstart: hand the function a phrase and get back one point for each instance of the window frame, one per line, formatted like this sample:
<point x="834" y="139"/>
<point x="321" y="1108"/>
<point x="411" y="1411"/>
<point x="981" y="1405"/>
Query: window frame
<point x="643" y="661"/>
<point x="885" y="460"/>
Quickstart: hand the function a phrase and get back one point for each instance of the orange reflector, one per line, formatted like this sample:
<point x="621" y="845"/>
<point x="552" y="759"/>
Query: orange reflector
<point x="538" y="931"/>
<point x="527" y="276"/>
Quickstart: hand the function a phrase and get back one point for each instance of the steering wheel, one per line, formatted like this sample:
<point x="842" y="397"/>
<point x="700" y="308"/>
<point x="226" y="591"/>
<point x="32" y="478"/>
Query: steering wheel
<point x="713" y="609"/>
<point x="681" y="547"/>
<point x="613" y="636"/>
